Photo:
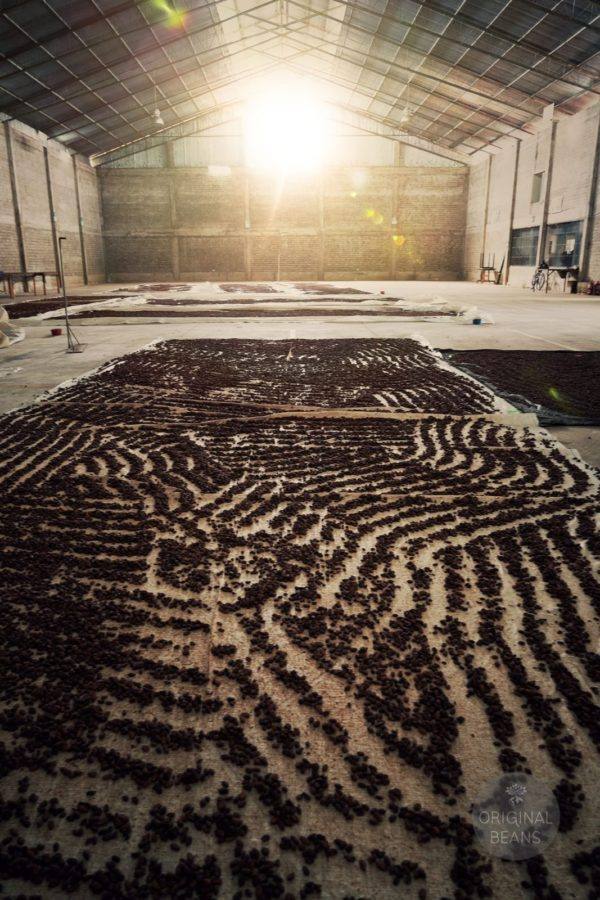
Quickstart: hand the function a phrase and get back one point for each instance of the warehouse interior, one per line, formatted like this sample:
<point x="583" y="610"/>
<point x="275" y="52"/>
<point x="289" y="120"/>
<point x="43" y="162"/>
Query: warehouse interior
<point x="300" y="449"/>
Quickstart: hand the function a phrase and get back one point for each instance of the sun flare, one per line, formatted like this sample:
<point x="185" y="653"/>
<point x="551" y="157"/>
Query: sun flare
<point x="286" y="130"/>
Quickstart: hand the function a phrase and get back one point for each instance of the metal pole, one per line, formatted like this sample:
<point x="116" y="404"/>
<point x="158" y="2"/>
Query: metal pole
<point x="73" y="345"/>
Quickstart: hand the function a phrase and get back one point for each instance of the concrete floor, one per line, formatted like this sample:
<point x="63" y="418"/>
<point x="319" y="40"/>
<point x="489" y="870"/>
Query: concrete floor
<point x="120" y="616"/>
<point x="522" y="320"/>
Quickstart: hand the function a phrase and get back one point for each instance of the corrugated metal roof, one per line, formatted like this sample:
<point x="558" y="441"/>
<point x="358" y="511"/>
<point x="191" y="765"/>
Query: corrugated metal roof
<point x="90" y="72"/>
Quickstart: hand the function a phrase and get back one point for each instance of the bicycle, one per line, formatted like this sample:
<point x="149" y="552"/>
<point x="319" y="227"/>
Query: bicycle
<point x="540" y="279"/>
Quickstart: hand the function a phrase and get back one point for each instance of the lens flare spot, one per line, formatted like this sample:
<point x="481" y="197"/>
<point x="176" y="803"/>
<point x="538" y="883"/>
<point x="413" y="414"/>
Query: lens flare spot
<point x="398" y="239"/>
<point x="175" y="18"/>
<point x="378" y="219"/>
<point x="359" y="179"/>
<point x="369" y="212"/>
<point x="353" y="194"/>
<point x="559" y="398"/>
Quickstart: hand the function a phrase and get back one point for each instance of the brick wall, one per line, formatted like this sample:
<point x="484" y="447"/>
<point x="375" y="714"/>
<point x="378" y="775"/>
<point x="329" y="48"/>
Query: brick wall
<point x="34" y="204"/>
<point x="574" y="151"/>
<point x="91" y="220"/>
<point x="44" y="190"/>
<point x="200" y="256"/>
<point x="9" y="252"/>
<point x="342" y="223"/>
<point x="64" y="199"/>
<point x="200" y="199"/>
<point x="497" y="236"/>
<point x="594" y="237"/>
<point x="475" y="218"/>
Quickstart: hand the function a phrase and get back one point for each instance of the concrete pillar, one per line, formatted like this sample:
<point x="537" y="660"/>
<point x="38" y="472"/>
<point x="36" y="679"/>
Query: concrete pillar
<point x="247" y="227"/>
<point x="80" y="220"/>
<point x="394" y="223"/>
<point x="399" y="160"/>
<point x="548" y="114"/>
<point x="175" y="267"/>
<point x="512" y="209"/>
<point x="321" y="261"/>
<point x="588" y="225"/>
<point x="399" y="152"/>
<point x="52" y="211"/>
<point x="486" y="206"/>
<point x="14" y="190"/>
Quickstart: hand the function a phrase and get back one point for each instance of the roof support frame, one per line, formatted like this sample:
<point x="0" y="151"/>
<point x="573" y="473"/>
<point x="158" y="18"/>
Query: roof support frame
<point x="339" y="82"/>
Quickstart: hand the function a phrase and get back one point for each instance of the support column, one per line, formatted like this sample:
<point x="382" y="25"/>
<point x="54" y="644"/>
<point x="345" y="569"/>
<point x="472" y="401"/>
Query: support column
<point x="512" y="208"/>
<point x="394" y="223"/>
<point x="486" y="207"/>
<point x="80" y="220"/>
<point x="588" y="225"/>
<point x="399" y="160"/>
<point x="15" y="198"/>
<point x="399" y="153"/>
<point x="321" y="261"/>
<point x="175" y="267"/>
<point x="247" y="228"/>
<point x="52" y="212"/>
<point x="544" y="221"/>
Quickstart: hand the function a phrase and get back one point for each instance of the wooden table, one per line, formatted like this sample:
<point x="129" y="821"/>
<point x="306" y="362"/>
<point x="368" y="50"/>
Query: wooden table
<point x="564" y="272"/>
<point x="9" y="280"/>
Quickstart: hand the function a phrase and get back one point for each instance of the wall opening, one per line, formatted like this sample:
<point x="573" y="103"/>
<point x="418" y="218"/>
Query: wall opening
<point x="536" y="187"/>
<point x="523" y="246"/>
<point x="563" y="242"/>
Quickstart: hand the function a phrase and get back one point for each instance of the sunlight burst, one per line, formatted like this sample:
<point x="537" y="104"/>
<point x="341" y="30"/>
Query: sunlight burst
<point x="286" y="130"/>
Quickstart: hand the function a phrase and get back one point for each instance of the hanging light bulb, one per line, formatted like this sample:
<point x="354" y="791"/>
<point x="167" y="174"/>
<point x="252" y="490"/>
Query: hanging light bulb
<point x="158" y="119"/>
<point x="406" y="112"/>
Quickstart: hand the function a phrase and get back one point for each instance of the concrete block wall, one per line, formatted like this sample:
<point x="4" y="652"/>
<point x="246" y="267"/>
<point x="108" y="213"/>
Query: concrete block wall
<point x="64" y="200"/>
<point x="566" y="151"/>
<point x="184" y="223"/>
<point x="90" y="206"/>
<point x="574" y="150"/>
<point x="534" y="157"/>
<point x="9" y="243"/>
<point x="33" y="199"/>
<point x="46" y="193"/>
<point x="475" y="218"/>
<point x="594" y="236"/>
<point x="497" y="237"/>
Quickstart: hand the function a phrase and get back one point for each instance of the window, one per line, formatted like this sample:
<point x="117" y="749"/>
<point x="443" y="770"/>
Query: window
<point x="523" y="246"/>
<point x="562" y="244"/>
<point x="536" y="187"/>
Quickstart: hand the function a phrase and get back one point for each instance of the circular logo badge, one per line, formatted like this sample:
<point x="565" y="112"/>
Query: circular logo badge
<point x="515" y="816"/>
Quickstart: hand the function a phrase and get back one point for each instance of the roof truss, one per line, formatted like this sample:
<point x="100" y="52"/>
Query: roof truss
<point x="470" y="72"/>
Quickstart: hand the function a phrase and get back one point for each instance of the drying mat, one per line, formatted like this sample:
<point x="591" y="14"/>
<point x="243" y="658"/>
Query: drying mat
<point x="257" y="313"/>
<point x="297" y="301"/>
<point x="277" y="658"/>
<point x="562" y="387"/>
<point x="235" y="287"/>
<point x="321" y="287"/>
<point x="29" y="308"/>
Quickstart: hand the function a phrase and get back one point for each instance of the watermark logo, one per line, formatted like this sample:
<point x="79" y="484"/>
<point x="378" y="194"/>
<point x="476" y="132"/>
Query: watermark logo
<point x="517" y="793"/>
<point x="515" y="816"/>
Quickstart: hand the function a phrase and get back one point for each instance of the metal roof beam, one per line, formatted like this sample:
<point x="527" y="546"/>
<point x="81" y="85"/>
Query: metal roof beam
<point x="451" y="39"/>
<point x="164" y="43"/>
<point x="375" y="93"/>
<point x="380" y="128"/>
<point x="393" y="64"/>
<point x="202" y="122"/>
